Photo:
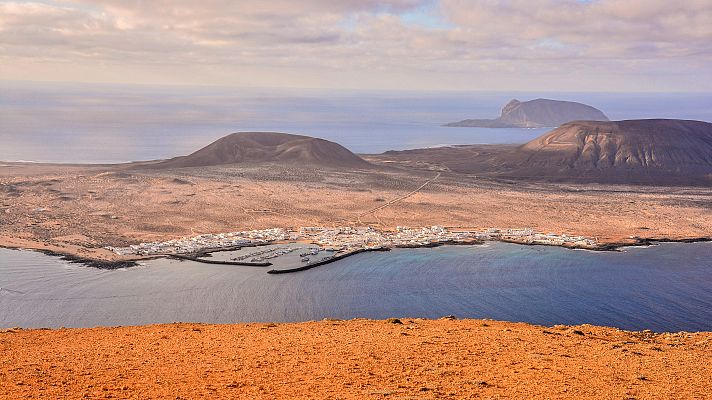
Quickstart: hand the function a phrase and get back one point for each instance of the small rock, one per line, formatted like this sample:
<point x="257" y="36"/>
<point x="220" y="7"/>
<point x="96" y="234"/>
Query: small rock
<point x="577" y="332"/>
<point x="394" y="321"/>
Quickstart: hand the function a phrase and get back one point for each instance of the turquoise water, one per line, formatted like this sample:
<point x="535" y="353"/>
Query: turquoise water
<point x="664" y="288"/>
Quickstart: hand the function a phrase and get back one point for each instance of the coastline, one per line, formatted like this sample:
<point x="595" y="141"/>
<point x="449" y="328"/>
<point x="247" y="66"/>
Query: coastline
<point x="101" y="260"/>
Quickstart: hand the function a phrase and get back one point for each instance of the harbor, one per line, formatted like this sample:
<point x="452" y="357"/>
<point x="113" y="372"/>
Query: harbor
<point x="309" y="247"/>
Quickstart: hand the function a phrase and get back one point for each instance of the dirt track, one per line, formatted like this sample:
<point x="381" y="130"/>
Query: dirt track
<point x="80" y="209"/>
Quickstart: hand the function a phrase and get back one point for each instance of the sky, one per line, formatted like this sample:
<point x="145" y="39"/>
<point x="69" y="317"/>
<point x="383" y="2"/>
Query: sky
<point x="489" y="45"/>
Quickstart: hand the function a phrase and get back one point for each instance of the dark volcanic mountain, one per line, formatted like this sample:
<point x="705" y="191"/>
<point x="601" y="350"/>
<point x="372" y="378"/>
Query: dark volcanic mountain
<point x="269" y="147"/>
<point x="539" y="113"/>
<point x="650" y="152"/>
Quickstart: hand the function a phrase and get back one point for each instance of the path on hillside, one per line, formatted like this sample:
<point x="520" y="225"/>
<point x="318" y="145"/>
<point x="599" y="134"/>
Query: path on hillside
<point x="401" y="198"/>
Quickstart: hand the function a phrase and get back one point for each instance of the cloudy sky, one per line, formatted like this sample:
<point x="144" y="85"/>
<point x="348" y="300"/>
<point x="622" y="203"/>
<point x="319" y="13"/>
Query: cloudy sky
<point x="589" y="45"/>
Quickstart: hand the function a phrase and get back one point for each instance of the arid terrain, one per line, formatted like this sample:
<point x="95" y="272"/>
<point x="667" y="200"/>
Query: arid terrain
<point x="81" y="209"/>
<point x="650" y="152"/>
<point x="414" y="359"/>
<point x="274" y="180"/>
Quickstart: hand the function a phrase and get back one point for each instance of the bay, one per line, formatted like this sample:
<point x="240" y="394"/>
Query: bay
<point x="664" y="288"/>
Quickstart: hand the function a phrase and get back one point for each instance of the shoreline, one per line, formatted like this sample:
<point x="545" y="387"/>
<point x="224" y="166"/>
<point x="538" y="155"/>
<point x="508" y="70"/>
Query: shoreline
<point x="128" y="262"/>
<point x="325" y="261"/>
<point x="392" y="320"/>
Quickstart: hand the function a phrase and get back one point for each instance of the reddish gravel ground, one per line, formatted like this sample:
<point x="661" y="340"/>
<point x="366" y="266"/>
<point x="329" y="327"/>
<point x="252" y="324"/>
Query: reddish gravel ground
<point x="414" y="359"/>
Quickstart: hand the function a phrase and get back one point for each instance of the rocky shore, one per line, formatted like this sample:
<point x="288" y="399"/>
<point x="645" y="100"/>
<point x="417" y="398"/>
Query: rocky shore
<point x="127" y="261"/>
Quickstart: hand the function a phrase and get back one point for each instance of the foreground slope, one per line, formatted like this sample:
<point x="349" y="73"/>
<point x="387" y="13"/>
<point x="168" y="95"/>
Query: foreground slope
<point x="268" y="147"/>
<point x="357" y="359"/>
<point x="539" y="113"/>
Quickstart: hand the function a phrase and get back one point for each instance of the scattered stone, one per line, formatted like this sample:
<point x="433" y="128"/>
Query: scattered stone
<point x="394" y="321"/>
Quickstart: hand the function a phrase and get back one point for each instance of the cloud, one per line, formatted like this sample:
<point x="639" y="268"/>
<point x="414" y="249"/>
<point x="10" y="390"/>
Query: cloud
<point x="595" y="29"/>
<point x="406" y="43"/>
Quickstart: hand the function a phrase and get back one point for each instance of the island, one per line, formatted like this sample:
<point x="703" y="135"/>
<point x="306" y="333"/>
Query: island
<point x="538" y="113"/>
<point x="254" y="188"/>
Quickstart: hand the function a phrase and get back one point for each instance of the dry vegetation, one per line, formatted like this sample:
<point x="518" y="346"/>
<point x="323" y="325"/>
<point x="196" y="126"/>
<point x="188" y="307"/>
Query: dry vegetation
<point x="80" y="209"/>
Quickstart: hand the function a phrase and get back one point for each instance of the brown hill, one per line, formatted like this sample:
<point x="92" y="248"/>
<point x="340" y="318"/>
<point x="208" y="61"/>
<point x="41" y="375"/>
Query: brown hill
<point x="650" y="152"/>
<point x="269" y="147"/>
<point x="539" y="113"/>
<point x="634" y="151"/>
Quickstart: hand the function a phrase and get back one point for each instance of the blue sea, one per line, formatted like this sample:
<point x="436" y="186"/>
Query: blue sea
<point x="50" y="122"/>
<point x="664" y="288"/>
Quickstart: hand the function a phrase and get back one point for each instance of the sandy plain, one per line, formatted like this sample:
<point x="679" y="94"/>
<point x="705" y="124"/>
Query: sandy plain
<point x="357" y="359"/>
<point x="81" y="209"/>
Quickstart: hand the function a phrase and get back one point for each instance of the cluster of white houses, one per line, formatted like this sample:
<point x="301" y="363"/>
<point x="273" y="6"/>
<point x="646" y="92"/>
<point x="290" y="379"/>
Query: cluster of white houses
<point x="350" y="239"/>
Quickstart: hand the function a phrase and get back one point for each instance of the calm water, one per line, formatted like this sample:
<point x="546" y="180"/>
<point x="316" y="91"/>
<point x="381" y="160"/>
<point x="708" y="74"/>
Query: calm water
<point x="100" y="123"/>
<point x="667" y="287"/>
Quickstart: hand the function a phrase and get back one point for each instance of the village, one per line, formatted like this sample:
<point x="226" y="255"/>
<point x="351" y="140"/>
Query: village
<point x="351" y="239"/>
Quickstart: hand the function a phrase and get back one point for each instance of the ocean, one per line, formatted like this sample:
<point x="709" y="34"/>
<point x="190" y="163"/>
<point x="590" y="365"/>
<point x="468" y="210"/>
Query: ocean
<point x="663" y="288"/>
<point x="106" y="123"/>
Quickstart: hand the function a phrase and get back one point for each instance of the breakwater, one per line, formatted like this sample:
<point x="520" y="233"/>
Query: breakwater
<point x="220" y="262"/>
<point x="325" y="261"/>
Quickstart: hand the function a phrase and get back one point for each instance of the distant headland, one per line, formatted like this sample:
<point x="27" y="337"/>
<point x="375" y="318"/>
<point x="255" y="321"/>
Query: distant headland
<point x="539" y="113"/>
